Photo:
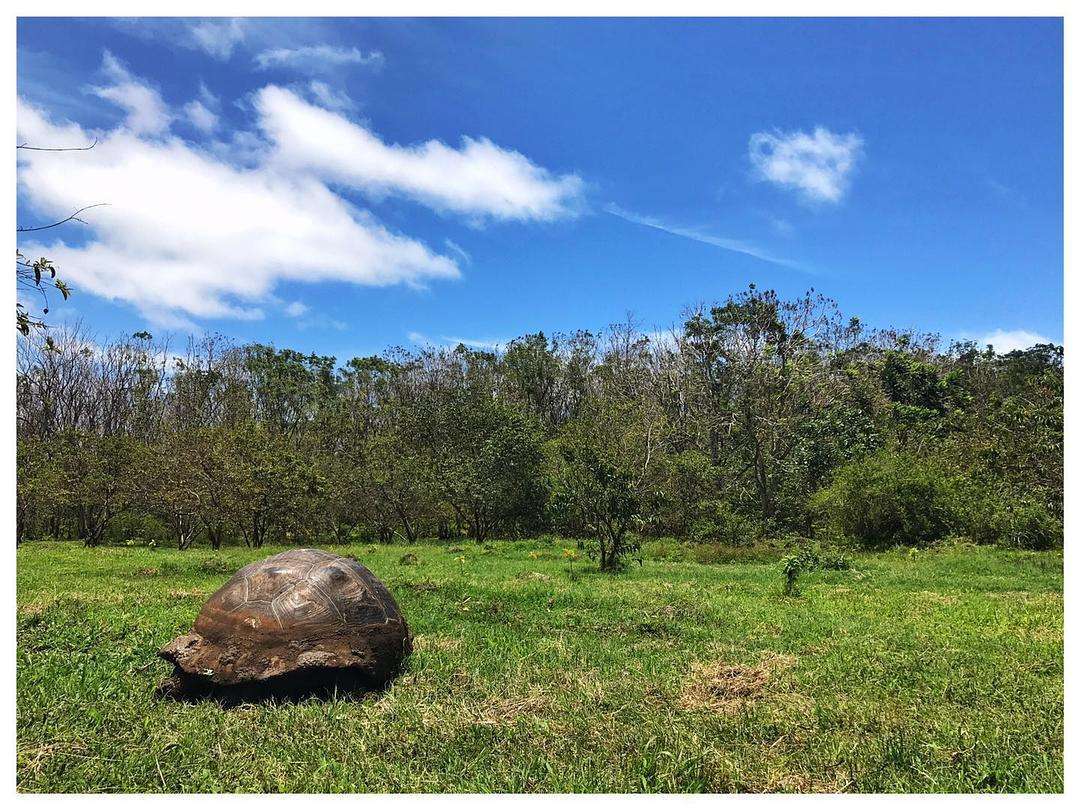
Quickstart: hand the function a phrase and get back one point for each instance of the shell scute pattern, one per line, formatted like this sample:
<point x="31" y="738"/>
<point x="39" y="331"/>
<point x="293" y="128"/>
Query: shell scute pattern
<point x="305" y="589"/>
<point x="293" y="611"/>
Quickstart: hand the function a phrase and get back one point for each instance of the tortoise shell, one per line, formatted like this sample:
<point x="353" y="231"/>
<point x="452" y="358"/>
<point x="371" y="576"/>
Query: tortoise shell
<point x="300" y="612"/>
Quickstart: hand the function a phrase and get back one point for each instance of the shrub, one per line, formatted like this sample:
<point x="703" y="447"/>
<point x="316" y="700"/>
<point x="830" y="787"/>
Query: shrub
<point x="717" y="522"/>
<point x="985" y="514"/>
<point x="657" y="550"/>
<point x="978" y="512"/>
<point x="214" y="565"/>
<point x="1030" y="525"/>
<point x="884" y="500"/>
<point x="597" y="493"/>
<point x="794" y="565"/>
<point x="810" y="558"/>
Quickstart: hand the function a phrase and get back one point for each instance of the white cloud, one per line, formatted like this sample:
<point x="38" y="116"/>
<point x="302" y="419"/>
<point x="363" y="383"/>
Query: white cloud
<point x="447" y="341"/>
<point x="217" y="37"/>
<point x="818" y="165"/>
<point x="200" y="116"/>
<point x="492" y="344"/>
<point x="187" y="234"/>
<point x="328" y="97"/>
<point x="316" y="58"/>
<point x="736" y="245"/>
<point x="1005" y="341"/>
<point x="202" y="112"/>
<point x="297" y="309"/>
<point x="212" y="230"/>
<point x="480" y="179"/>
<point x="458" y="250"/>
<point x="146" y="111"/>
<point x="666" y="339"/>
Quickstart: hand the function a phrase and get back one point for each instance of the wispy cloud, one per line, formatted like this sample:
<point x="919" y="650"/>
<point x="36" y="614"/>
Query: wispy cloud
<point x="296" y="309"/>
<point x="321" y="323"/>
<point x="735" y="245"/>
<point x="457" y="250"/>
<point x="781" y="226"/>
<point x="326" y="96"/>
<point x="147" y="113"/>
<point x="488" y="344"/>
<point x="201" y="112"/>
<point x="217" y="38"/>
<point x="201" y="117"/>
<point x="317" y="58"/>
<point x="817" y="165"/>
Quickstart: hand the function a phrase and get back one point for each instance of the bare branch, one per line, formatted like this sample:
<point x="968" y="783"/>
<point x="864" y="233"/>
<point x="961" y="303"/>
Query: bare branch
<point x="73" y="218"/>
<point x="57" y="148"/>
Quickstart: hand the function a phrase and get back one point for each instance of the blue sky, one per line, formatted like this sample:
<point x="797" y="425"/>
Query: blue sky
<point x="341" y="186"/>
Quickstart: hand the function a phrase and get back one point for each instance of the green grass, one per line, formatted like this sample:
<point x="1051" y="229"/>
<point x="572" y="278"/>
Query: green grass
<point x="929" y="671"/>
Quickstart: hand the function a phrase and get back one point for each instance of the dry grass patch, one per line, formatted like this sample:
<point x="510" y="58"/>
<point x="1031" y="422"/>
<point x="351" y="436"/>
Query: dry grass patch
<point x="32" y="610"/>
<point x="504" y="711"/>
<point x="533" y="576"/>
<point x="32" y="760"/>
<point x="181" y="594"/>
<point x="934" y="596"/>
<point x="718" y="686"/>
<point x="428" y="643"/>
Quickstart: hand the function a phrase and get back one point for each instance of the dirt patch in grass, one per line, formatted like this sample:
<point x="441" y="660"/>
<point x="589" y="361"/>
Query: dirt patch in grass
<point x="718" y="686"/>
<point x="148" y="572"/>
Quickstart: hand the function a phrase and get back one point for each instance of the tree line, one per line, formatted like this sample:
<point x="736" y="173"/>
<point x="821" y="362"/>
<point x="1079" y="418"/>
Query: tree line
<point x="757" y="418"/>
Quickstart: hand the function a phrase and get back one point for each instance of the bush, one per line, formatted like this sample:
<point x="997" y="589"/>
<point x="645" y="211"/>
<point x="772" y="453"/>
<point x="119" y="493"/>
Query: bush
<point x="717" y="522"/>
<point x="215" y="565"/>
<point x="718" y="554"/>
<point x="884" y="500"/>
<point x="985" y="514"/>
<point x="889" y="499"/>
<point x="810" y="558"/>
<point x="1029" y="524"/>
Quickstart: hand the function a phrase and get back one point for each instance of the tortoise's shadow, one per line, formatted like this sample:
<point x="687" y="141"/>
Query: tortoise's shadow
<point x="290" y="688"/>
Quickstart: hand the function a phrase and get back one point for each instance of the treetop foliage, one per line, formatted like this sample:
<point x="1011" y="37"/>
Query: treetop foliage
<point x="759" y="417"/>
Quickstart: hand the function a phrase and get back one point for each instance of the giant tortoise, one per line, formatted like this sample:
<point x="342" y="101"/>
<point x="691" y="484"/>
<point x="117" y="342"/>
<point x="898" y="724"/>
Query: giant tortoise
<point x="294" y="623"/>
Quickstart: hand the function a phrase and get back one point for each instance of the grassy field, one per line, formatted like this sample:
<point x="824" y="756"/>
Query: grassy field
<point x="921" y="671"/>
